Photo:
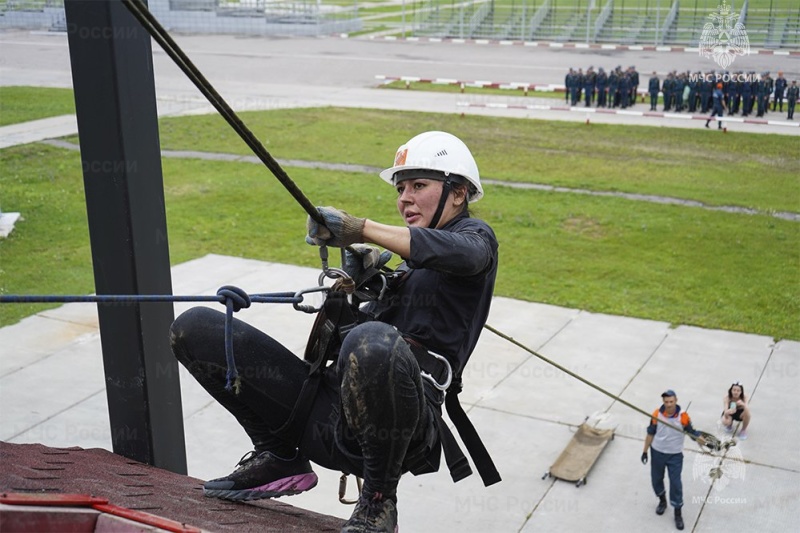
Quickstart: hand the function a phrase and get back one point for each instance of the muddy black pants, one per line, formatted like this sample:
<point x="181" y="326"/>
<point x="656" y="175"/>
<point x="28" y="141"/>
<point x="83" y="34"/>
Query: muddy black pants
<point x="370" y="410"/>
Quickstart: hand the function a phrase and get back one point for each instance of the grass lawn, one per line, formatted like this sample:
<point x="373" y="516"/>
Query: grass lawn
<point x="677" y="264"/>
<point x="21" y="104"/>
<point x="758" y="171"/>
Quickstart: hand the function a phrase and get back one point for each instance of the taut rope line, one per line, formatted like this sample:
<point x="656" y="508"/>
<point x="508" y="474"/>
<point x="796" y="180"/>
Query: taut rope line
<point x="582" y="379"/>
<point x="233" y="298"/>
<point x="154" y="28"/>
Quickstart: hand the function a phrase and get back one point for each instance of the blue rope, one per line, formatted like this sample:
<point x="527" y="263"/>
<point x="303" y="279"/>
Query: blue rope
<point x="233" y="298"/>
<point x="275" y="297"/>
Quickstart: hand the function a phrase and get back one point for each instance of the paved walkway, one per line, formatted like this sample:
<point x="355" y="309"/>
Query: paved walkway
<point x="52" y="390"/>
<point x="341" y="72"/>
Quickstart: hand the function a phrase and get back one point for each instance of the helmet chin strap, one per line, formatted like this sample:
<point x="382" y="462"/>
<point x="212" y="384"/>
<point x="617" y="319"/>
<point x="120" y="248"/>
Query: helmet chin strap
<point x="447" y="186"/>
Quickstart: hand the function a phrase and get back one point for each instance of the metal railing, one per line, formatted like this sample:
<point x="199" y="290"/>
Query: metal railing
<point x="247" y="17"/>
<point x="532" y="20"/>
<point x="602" y="18"/>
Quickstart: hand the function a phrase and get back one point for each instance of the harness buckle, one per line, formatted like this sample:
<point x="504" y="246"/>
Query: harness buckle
<point x="440" y="386"/>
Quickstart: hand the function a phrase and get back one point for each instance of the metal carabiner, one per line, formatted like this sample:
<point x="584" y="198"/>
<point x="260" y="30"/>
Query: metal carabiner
<point x="343" y="489"/>
<point x="333" y="273"/>
<point x="383" y="287"/>
<point x="309" y="308"/>
<point x="330" y="272"/>
<point x="441" y="386"/>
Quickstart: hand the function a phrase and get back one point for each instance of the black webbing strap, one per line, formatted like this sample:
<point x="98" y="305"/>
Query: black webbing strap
<point x="478" y="452"/>
<point x="330" y="327"/>
<point x="456" y="460"/>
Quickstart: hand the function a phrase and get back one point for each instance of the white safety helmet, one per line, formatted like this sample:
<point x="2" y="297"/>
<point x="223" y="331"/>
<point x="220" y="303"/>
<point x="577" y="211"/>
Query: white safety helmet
<point x="439" y="151"/>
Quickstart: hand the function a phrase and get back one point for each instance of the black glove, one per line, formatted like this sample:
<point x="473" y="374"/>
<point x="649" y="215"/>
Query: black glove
<point x="644" y="458"/>
<point x="340" y="229"/>
<point x="362" y="261"/>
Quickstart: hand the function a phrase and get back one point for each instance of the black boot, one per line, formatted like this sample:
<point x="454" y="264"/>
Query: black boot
<point x="662" y="505"/>
<point x="678" y="519"/>
<point x="373" y="514"/>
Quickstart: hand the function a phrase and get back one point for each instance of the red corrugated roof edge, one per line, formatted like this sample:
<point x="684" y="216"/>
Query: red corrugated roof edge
<point x="134" y="486"/>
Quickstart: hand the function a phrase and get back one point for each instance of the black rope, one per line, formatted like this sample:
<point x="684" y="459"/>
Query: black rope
<point x="139" y="10"/>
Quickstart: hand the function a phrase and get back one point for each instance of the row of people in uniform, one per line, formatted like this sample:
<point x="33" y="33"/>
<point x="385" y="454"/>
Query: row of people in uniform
<point x="741" y="93"/>
<point x="616" y="88"/>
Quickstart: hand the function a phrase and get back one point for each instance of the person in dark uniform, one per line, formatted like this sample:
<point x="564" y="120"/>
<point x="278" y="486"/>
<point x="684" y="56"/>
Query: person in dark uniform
<point x="693" y="80"/>
<point x="706" y="88"/>
<point x="780" y="89"/>
<point x="747" y="95"/>
<point x="666" y="91"/>
<point x="634" y="85"/>
<point x="718" y="99"/>
<point x="792" y="93"/>
<point x="727" y="89"/>
<point x="589" y="84"/>
<point x="602" y="87"/>
<point x="375" y="413"/>
<point x="625" y="90"/>
<point x="770" y="91"/>
<point x="737" y="93"/>
<point x="762" y="95"/>
<point x="613" y="88"/>
<point x="653" y="87"/>
<point x="568" y="81"/>
<point x="680" y="84"/>
<point x="754" y="83"/>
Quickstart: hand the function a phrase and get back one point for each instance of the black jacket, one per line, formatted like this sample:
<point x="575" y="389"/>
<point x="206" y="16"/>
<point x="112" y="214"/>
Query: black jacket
<point x="444" y="299"/>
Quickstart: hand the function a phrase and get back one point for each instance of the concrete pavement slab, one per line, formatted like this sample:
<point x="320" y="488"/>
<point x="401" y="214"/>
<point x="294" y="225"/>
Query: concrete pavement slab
<point x="85" y="421"/>
<point x="699" y="365"/>
<point x="588" y="347"/>
<point x="606" y="349"/>
<point x="49" y="386"/>
<point x="43" y="333"/>
<point x="775" y="425"/>
<point x="522" y="448"/>
<point x="490" y="364"/>
<point x="617" y="494"/>
<point x="763" y="499"/>
<point x="75" y="313"/>
<point x="537" y="389"/>
<point x="200" y="276"/>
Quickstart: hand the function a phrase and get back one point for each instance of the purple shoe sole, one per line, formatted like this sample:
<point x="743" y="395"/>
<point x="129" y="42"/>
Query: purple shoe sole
<point x="287" y="486"/>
